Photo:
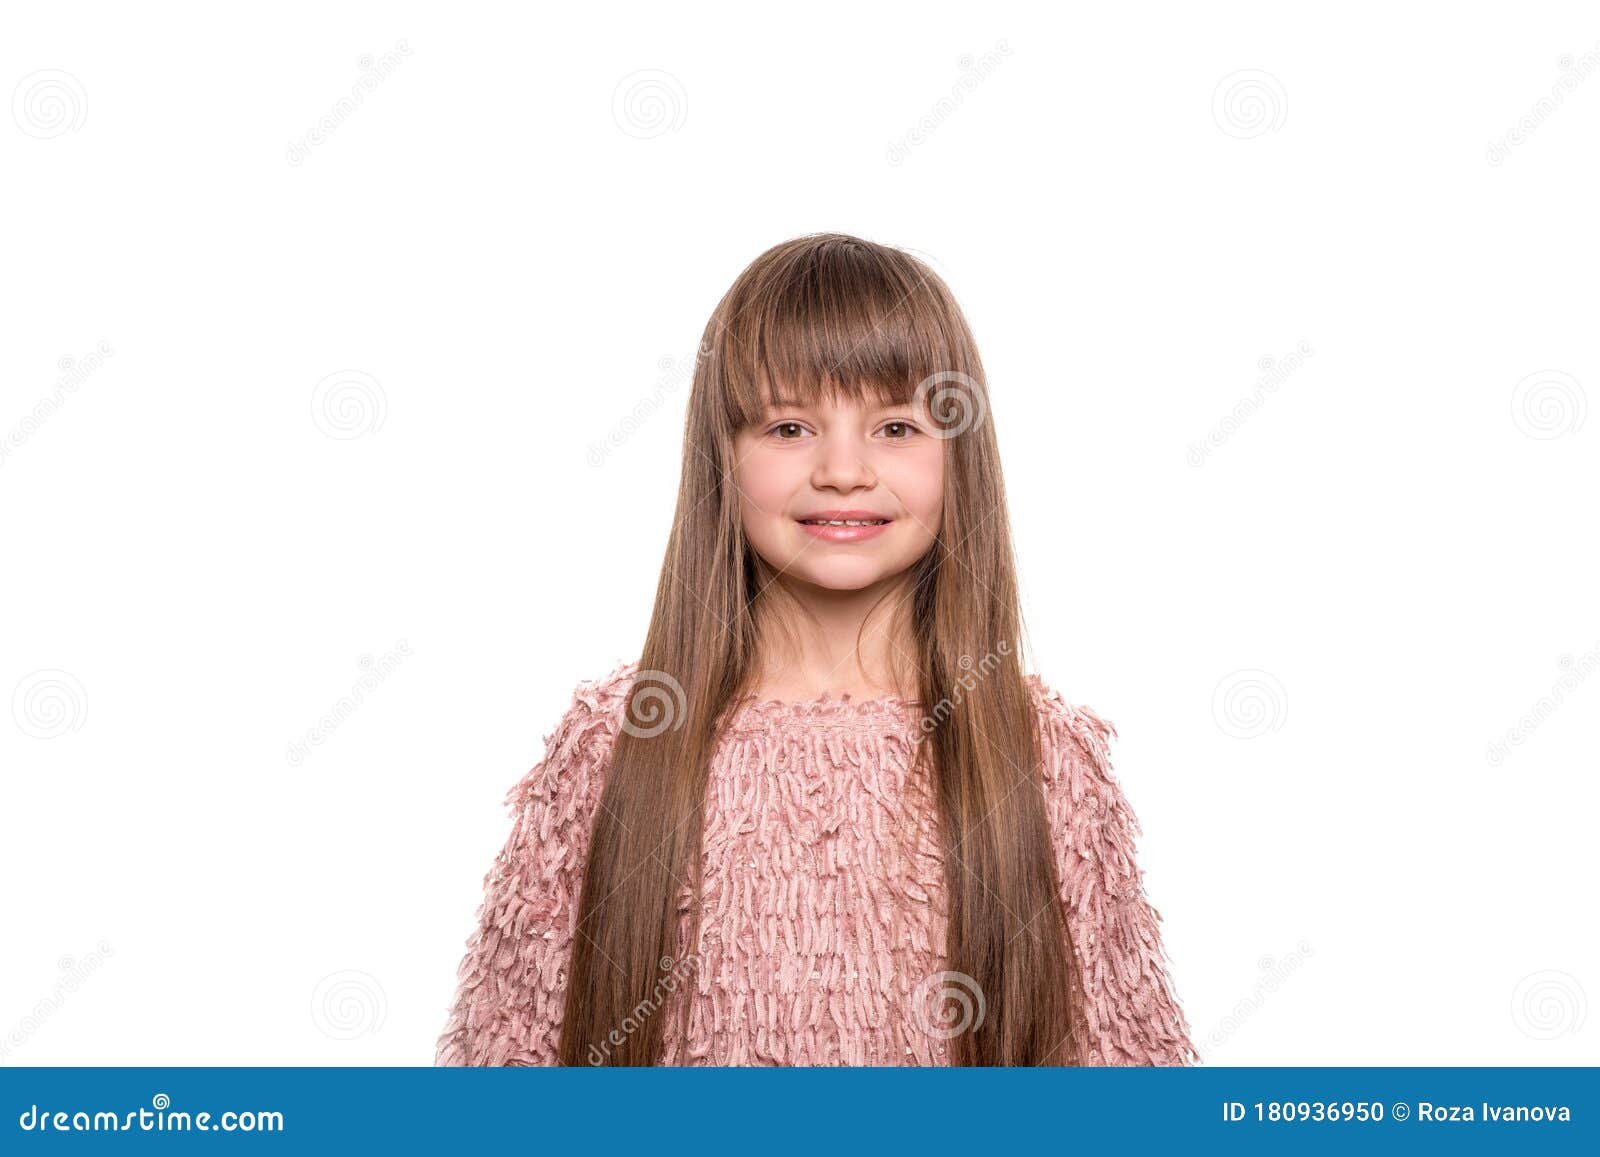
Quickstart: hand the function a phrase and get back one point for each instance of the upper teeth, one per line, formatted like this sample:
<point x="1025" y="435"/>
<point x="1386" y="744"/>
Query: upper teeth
<point x="846" y="521"/>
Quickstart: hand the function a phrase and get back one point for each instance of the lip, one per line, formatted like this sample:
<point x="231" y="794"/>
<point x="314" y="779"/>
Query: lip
<point x="844" y="533"/>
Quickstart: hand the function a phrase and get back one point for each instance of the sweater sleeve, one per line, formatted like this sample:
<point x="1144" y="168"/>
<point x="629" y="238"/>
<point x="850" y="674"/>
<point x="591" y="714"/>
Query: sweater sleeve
<point x="1123" y="997"/>
<point x="511" y="984"/>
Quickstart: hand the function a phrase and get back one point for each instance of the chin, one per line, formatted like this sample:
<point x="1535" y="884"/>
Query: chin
<point x="842" y="578"/>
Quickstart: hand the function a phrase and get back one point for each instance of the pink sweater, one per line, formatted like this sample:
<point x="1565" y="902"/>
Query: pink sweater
<point x="824" y="903"/>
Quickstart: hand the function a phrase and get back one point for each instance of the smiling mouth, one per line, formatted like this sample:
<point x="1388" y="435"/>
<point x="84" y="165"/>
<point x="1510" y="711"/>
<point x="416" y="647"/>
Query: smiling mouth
<point x="844" y="531"/>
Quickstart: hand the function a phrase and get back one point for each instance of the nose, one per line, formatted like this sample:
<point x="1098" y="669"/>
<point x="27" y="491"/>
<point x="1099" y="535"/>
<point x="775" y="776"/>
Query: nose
<point x="841" y="464"/>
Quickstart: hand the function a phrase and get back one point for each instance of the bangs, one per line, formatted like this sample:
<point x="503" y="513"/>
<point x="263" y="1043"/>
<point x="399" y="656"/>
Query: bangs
<point x="841" y="321"/>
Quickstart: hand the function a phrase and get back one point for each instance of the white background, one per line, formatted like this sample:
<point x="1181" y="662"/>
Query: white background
<point x="1307" y="641"/>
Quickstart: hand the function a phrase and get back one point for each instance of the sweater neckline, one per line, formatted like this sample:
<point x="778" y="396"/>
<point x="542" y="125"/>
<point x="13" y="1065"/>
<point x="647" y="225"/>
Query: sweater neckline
<point x="824" y="708"/>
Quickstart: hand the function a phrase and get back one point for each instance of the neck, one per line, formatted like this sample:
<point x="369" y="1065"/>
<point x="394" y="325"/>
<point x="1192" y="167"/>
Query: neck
<point x="814" y="640"/>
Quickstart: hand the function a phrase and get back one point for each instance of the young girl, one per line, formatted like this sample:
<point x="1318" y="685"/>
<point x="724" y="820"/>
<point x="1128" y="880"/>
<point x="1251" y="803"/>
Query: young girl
<point x="825" y="818"/>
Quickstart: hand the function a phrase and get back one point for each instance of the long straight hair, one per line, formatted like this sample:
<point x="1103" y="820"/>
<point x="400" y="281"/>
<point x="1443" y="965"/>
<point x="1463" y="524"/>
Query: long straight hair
<point x="830" y="314"/>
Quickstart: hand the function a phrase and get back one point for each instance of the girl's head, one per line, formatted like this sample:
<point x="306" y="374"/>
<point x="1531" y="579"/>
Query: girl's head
<point x="825" y="363"/>
<point x="835" y="374"/>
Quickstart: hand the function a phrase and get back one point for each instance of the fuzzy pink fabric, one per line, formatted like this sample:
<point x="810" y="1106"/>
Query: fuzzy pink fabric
<point x="824" y="928"/>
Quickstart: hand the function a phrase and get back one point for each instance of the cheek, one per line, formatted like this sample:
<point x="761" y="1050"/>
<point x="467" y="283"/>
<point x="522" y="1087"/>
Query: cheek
<point x="919" y="485"/>
<point x="764" y="484"/>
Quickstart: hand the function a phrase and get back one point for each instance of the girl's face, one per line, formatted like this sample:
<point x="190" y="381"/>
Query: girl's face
<point x="840" y="461"/>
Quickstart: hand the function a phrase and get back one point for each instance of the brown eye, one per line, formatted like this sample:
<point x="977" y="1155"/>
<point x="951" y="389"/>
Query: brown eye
<point x="906" y="426"/>
<point x="784" y="426"/>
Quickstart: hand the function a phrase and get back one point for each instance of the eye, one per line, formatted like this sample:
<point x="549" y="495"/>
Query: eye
<point x="900" y="423"/>
<point x="785" y="426"/>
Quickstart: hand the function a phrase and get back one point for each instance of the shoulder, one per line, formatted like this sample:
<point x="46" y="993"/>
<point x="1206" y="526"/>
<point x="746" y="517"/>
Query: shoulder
<point x="1090" y="816"/>
<point x="602" y="698"/>
<point x="1076" y="738"/>
<point x="577" y="750"/>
